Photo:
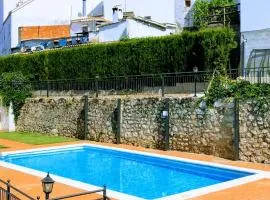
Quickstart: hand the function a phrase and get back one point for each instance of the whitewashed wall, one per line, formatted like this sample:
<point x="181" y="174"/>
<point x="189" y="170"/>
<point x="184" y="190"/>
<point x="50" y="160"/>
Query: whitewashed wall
<point x="113" y="32"/>
<point x="160" y="10"/>
<point x="183" y="14"/>
<point x="130" y="28"/>
<point x="1" y="14"/>
<point x="140" y="30"/>
<point x="5" y="37"/>
<point x="5" y="7"/>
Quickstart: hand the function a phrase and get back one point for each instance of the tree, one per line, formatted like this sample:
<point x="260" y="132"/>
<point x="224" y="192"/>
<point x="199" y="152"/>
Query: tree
<point x="204" y="8"/>
<point x="15" y="88"/>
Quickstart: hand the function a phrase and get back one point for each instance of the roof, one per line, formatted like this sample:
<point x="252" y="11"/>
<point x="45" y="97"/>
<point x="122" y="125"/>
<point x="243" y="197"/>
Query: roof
<point x="89" y="19"/>
<point x="44" y="32"/>
<point x="22" y="4"/>
<point x="144" y="20"/>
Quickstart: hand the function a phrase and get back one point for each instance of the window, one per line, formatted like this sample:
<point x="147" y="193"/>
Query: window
<point x="188" y="3"/>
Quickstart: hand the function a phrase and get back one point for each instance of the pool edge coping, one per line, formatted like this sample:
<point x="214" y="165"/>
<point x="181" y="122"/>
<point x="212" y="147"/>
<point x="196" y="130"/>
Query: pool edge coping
<point x="257" y="174"/>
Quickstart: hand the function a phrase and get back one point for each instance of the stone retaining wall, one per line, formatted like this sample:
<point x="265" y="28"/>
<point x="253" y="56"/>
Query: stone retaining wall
<point x="193" y="126"/>
<point x="58" y="116"/>
<point x="254" y="132"/>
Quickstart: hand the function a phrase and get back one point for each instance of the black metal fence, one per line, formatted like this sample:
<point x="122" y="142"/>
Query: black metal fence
<point x="257" y="75"/>
<point x="7" y="192"/>
<point x="103" y="191"/>
<point x="168" y="83"/>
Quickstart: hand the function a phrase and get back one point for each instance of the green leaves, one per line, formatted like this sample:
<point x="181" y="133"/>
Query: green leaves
<point x="200" y="13"/>
<point x="222" y="87"/>
<point x="15" y="88"/>
<point x="207" y="49"/>
<point x="205" y="8"/>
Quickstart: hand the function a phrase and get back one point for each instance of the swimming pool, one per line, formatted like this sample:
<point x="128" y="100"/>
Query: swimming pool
<point x="136" y="175"/>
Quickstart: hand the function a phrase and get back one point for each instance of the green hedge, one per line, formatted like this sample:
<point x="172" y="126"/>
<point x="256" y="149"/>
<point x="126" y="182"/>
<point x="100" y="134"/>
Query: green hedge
<point x="206" y="49"/>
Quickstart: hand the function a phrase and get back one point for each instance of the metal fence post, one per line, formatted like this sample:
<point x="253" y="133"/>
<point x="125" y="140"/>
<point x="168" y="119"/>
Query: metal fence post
<point x="48" y="88"/>
<point x="96" y="86"/>
<point x="163" y="86"/>
<point x="86" y="102"/>
<point x="118" y="133"/>
<point x="236" y="138"/>
<point x="104" y="192"/>
<point x="8" y="190"/>
<point x="167" y="125"/>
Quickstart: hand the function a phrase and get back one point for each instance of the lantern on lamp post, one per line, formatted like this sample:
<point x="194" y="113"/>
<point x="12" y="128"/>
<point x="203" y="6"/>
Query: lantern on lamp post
<point x="47" y="185"/>
<point x="195" y="70"/>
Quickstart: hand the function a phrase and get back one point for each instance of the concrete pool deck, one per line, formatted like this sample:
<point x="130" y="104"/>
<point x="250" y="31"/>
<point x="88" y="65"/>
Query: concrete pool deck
<point x="257" y="190"/>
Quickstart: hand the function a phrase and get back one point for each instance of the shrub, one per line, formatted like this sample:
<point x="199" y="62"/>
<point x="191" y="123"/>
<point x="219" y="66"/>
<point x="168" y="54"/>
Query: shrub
<point x="222" y="87"/>
<point x="201" y="11"/>
<point x="15" y="88"/>
<point x="206" y="49"/>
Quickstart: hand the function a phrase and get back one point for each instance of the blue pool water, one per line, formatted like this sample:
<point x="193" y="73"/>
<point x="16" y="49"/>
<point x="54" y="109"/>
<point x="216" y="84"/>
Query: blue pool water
<point x="138" y="175"/>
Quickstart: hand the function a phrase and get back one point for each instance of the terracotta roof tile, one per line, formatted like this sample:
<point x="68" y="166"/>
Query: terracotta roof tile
<point x="44" y="32"/>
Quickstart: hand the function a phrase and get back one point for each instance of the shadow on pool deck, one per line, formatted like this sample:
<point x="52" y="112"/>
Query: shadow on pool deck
<point x="258" y="190"/>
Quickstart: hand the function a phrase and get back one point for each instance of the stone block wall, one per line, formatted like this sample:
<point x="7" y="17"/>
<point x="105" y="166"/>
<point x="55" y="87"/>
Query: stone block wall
<point x="193" y="126"/>
<point x="254" y="132"/>
<point x="199" y="129"/>
<point x="101" y="120"/>
<point x="141" y="122"/>
<point x="57" y="116"/>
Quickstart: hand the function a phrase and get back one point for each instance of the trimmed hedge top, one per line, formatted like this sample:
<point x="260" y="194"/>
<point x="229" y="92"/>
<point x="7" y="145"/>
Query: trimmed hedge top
<point x="207" y="49"/>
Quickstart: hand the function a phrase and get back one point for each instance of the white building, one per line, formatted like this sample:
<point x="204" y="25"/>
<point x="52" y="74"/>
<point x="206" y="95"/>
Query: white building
<point x="133" y="27"/>
<point x="163" y="11"/>
<point x="37" y="13"/>
<point x="255" y="31"/>
<point x="60" y="12"/>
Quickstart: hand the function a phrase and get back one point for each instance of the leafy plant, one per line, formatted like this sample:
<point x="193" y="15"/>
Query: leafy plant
<point x="124" y="38"/>
<point x="200" y="13"/>
<point x="222" y="87"/>
<point x="135" y="56"/>
<point x="204" y="8"/>
<point x="15" y="88"/>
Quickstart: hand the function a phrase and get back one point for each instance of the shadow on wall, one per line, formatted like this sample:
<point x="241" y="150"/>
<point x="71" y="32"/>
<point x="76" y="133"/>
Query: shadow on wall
<point x="98" y="10"/>
<point x="124" y="35"/>
<point x="114" y="124"/>
<point x="160" y="140"/>
<point x="80" y="126"/>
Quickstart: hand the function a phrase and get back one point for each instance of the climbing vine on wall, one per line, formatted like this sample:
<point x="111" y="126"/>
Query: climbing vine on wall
<point x="15" y="88"/>
<point x="221" y="87"/>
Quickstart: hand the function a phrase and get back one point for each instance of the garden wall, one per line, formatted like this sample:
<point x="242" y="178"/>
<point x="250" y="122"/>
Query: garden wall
<point x="254" y="131"/>
<point x="193" y="126"/>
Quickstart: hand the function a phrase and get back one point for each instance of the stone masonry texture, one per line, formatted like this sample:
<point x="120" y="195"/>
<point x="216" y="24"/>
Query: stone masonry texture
<point x="193" y="126"/>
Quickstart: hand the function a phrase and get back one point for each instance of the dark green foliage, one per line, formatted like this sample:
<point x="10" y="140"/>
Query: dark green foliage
<point x="204" y="8"/>
<point x="15" y="88"/>
<point x="206" y="49"/>
<point x="221" y="88"/>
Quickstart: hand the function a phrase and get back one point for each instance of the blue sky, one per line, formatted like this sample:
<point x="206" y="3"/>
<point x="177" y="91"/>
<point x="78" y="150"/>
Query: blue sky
<point x="255" y="15"/>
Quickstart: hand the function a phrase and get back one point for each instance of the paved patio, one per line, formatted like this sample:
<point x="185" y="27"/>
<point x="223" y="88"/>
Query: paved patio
<point x="258" y="190"/>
